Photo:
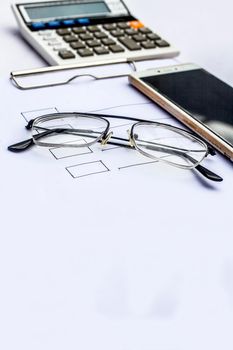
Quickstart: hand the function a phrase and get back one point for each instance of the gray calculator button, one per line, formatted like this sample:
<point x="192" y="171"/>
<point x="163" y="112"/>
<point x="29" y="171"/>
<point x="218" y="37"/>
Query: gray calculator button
<point x="144" y="30"/>
<point x="45" y="32"/>
<point x="101" y="50"/>
<point x="116" y="48"/>
<point x="130" y="44"/>
<point x="78" y="30"/>
<point x="117" y="33"/>
<point x="93" y="29"/>
<point x="148" y="44"/>
<point x="139" y="38"/>
<point x="63" y="31"/>
<point x="123" y="25"/>
<point x="93" y="43"/>
<point x="108" y="42"/>
<point x="153" y="36"/>
<point x="70" y="38"/>
<point x="110" y="26"/>
<point x="77" y="45"/>
<point x="66" y="54"/>
<point x="162" y="43"/>
<point x="86" y="36"/>
<point x="100" y="35"/>
<point x="85" y="52"/>
<point x="130" y="31"/>
<point x="54" y="43"/>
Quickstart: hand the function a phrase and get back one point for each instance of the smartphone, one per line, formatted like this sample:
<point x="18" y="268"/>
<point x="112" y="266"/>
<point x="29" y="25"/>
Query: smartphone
<point x="195" y="97"/>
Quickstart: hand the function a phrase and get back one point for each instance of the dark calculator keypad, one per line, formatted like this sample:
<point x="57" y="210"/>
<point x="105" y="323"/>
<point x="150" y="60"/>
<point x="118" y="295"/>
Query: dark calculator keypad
<point x="162" y="43"/>
<point x="78" y="30"/>
<point x="101" y="50"/>
<point x="139" y="37"/>
<point x="116" y="48"/>
<point x="108" y="42"/>
<point x="93" y="43"/>
<point x="117" y="33"/>
<point x="111" y="37"/>
<point x="63" y="31"/>
<point x="85" y="36"/>
<point x="100" y="35"/>
<point x="129" y="43"/>
<point x="85" y="52"/>
<point x="70" y="38"/>
<point x="77" y="45"/>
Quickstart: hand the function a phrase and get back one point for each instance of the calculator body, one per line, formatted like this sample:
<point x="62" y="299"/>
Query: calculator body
<point x="87" y="32"/>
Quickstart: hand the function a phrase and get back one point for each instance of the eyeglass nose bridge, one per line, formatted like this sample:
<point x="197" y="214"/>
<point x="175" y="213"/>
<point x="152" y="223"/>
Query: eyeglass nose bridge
<point x="105" y="140"/>
<point x="131" y="140"/>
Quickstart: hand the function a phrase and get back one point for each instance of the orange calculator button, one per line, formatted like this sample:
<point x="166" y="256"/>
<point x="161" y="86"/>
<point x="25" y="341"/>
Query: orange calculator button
<point x="136" y="24"/>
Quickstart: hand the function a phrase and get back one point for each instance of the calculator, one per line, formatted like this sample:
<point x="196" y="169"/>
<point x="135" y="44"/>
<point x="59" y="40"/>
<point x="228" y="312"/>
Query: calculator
<point x="88" y="31"/>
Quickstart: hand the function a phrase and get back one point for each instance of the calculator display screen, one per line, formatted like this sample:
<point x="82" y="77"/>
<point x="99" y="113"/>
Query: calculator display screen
<point x="66" y="10"/>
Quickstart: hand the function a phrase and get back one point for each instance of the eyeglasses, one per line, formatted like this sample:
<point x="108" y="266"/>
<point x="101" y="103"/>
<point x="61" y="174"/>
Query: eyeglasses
<point x="158" y="141"/>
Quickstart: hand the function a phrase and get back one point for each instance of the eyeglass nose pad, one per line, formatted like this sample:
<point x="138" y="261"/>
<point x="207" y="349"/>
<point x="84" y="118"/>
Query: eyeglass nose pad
<point x="106" y="139"/>
<point x="130" y="139"/>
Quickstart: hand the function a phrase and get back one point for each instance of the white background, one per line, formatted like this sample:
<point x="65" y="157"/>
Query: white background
<point x="118" y="265"/>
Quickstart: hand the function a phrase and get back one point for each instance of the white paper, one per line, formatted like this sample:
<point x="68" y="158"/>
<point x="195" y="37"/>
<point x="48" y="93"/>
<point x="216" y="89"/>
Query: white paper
<point x="99" y="252"/>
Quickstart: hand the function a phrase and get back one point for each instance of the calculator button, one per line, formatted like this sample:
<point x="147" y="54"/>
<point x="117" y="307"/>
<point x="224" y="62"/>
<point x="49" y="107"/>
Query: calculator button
<point x="136" y="24"/>
<point x="131" y="31"/>
<point x="45" y="32"/>
<point x="101" y="50"/>
<point x="129" y="43"/>
<point x="65" y="54"/>
<point x="62" y="31"/>
<point x="54" y="24"/>
<point x="93" y="29"/>
<point x="54" y="42"/>
<point x="100" y="35"/>
<point x="162" y="43"/>
<point x="116" y="48"/>
<point x="110" y="26"/>
<point x="85" y="52"/>
<point x="68" y="22"/>
<point x="117" y="33"/>
<point x="78" y="30"/>
<point x="148" y="45"/>
<point x="70" y="38"/>
<point x="49" y="38"/>
<point x="77" y="45"/>
<point x="108" y="42"/>
<point x="85" y="36"/>
<point x="144" y="30"/>
<point x="84" y="21"/>
<point x="139" y="37"/>
<point x="38" y="25"/>
<point x="123" y="25"/>
<point x="153" y="36"/>
<point x="93" y="43"/>
<point x="58" y="47"/>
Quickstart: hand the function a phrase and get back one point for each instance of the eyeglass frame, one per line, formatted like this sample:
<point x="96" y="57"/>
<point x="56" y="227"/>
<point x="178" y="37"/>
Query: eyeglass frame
<point x="105" y="136"/>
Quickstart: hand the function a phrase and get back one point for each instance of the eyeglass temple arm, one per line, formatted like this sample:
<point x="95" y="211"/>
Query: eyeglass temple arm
<point x="204" y="171"/>
<point x="23" y="145"/>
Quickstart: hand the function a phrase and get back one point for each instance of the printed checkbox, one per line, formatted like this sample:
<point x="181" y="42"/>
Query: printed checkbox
<point x="86" y="169"/>
<point x="65" y="152"/>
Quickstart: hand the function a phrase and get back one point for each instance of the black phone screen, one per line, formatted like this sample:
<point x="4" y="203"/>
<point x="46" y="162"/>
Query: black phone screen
<point x="201" y="95"/>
